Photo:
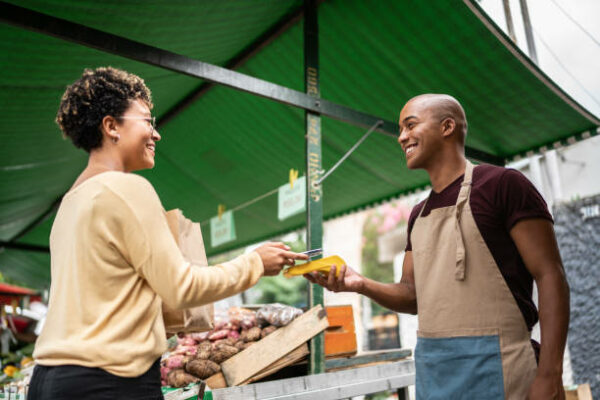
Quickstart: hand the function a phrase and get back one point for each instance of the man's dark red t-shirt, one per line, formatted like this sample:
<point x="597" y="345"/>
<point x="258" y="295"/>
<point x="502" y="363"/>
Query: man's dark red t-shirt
<point x="500" y="198"/>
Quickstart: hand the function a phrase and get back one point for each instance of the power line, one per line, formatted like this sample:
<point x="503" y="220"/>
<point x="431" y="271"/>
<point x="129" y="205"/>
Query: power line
<point x="565" y="68"/>
<point x="341" y="160"/>
<point x="576" y="23"/>
<point x="318" y="182"/>
<point x="248" y="203"/>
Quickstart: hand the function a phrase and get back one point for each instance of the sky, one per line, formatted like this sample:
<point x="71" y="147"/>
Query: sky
<point x="565" y="53"/>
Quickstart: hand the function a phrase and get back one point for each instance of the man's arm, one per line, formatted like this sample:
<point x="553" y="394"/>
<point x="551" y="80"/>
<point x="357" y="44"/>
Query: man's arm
<point x="537" y="246"/>
<point x="399" y="297"/>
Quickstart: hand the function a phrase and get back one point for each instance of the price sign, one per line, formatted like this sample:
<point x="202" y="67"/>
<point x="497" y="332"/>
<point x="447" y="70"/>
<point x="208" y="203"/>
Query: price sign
<point x="222" y="229"/>
<point x="292" y="200"/>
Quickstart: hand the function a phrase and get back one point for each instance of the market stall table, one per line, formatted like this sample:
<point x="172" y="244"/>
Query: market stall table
<point x="327" y="386"/>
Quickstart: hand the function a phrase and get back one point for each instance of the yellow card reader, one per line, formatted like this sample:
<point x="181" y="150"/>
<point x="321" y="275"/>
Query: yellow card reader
<point x="322" y="265"/>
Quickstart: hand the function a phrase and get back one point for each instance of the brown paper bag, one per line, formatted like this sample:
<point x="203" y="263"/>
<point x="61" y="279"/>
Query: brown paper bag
<point x="189" y="239"/>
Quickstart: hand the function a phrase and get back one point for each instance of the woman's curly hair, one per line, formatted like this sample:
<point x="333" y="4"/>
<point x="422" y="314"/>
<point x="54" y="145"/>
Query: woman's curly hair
<point x="98" y="93"/>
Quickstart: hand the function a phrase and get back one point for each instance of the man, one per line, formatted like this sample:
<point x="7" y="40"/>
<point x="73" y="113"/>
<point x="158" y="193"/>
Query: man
<point x="474" y="248"/>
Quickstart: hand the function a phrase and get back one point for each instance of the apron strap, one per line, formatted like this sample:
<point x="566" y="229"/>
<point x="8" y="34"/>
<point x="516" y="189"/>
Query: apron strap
<point x="463" y="197"/>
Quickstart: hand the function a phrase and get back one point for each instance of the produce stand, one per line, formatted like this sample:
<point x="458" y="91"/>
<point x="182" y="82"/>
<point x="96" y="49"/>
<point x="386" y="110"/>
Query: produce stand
<point x="279" y="358"/>
<point x="329" y="385"/>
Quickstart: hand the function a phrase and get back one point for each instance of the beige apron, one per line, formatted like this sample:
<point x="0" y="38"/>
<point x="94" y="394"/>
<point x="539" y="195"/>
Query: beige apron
<point x="473" y="342"/>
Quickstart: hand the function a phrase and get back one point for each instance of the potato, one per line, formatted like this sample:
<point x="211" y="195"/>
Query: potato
<point x="203" y="355"/>
<point x="164" y="373"/>
<point x="185" y="350"/>
<point x="246" y="345"/>
<point x="205" y="346"/>
<point x="179" y="378"/>
<point x="223" y="352"/>
<point x="234" y="334"/>
<point x="240" y="344"/>
<point x="175" y="361"/>
<point x="251" y="335"/>
<point x="204" y="350"/>
<point x="228" y="342"/>
<point x="220" y="334"/>
<point x="188" y="341"/>
<point x="267" y="330"/>
<point x="200" y="337"/>
<point x="202" y="368"/>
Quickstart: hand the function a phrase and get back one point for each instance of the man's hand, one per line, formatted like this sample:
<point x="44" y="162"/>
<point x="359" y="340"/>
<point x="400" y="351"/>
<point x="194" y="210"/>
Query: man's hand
<point x="348" y="280"/>
<point x="546" y="388"/>
<point x="276" y="255"/>
<point x="399" y="297"/>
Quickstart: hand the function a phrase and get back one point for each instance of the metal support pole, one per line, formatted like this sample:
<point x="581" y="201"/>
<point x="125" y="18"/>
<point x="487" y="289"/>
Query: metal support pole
<point x="314" y="198"/>
<point x="554" y="175"/>
<point x="402" y="393"/>
<point x="528" y="31"/>
<point x="509" y="22"/>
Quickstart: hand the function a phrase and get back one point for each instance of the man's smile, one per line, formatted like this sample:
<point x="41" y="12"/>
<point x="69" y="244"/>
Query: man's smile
<point x="409" y="149"/>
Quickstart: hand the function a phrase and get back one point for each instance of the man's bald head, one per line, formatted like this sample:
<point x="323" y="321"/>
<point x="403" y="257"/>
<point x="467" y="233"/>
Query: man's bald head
<point x="442" y="106"/>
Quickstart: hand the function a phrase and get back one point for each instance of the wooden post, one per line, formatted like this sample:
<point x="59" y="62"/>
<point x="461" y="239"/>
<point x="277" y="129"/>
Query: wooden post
<point x="509" y="22"/>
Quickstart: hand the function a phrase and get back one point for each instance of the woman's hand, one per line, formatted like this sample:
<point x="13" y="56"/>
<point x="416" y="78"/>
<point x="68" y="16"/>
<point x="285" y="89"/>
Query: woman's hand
<point x="276" y="255"/>
<point x="348" y="280"/>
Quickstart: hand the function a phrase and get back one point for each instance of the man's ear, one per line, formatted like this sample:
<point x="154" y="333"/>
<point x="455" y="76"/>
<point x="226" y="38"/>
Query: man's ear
<point x="448" y="127"/>
<point x="108" y="126"/>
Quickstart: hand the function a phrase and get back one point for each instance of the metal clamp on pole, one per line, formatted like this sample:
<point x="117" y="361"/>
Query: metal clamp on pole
<point x="352" y="149"/>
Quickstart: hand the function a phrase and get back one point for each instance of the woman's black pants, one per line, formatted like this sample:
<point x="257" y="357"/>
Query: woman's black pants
<point x="66" y="382"/>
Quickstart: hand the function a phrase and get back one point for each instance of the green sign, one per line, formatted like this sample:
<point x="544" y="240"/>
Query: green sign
<point x="222" y="229"/>
<point x="292" y="200"/>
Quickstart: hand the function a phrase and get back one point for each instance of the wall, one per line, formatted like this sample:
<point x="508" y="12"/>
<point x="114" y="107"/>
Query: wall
<point x="578" y="237"/>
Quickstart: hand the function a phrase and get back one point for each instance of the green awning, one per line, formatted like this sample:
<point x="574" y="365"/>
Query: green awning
<point x="229" y="147"/>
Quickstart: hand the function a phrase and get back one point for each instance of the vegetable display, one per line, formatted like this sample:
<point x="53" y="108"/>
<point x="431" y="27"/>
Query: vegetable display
<point x="198" y="356"/>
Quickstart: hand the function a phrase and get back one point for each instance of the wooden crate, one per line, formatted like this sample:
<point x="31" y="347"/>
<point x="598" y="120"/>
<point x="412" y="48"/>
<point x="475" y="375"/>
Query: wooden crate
<point x="340" y="336"/>
<point x="217" y="381"/>
<point x="259" y="358"/>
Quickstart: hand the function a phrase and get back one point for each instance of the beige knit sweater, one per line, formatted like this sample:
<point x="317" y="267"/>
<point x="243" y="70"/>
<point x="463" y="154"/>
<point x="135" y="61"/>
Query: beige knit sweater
<point x="113" y="259"/>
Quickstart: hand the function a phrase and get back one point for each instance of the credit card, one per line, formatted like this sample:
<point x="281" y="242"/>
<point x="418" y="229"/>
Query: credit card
<point x="313" y="252"/>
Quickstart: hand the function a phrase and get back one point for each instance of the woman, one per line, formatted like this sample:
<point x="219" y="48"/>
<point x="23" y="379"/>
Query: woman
<point x="113" y="258"/>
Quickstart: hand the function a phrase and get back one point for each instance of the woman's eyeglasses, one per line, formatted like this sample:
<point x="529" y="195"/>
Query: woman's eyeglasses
<point x="149" y="120"/>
